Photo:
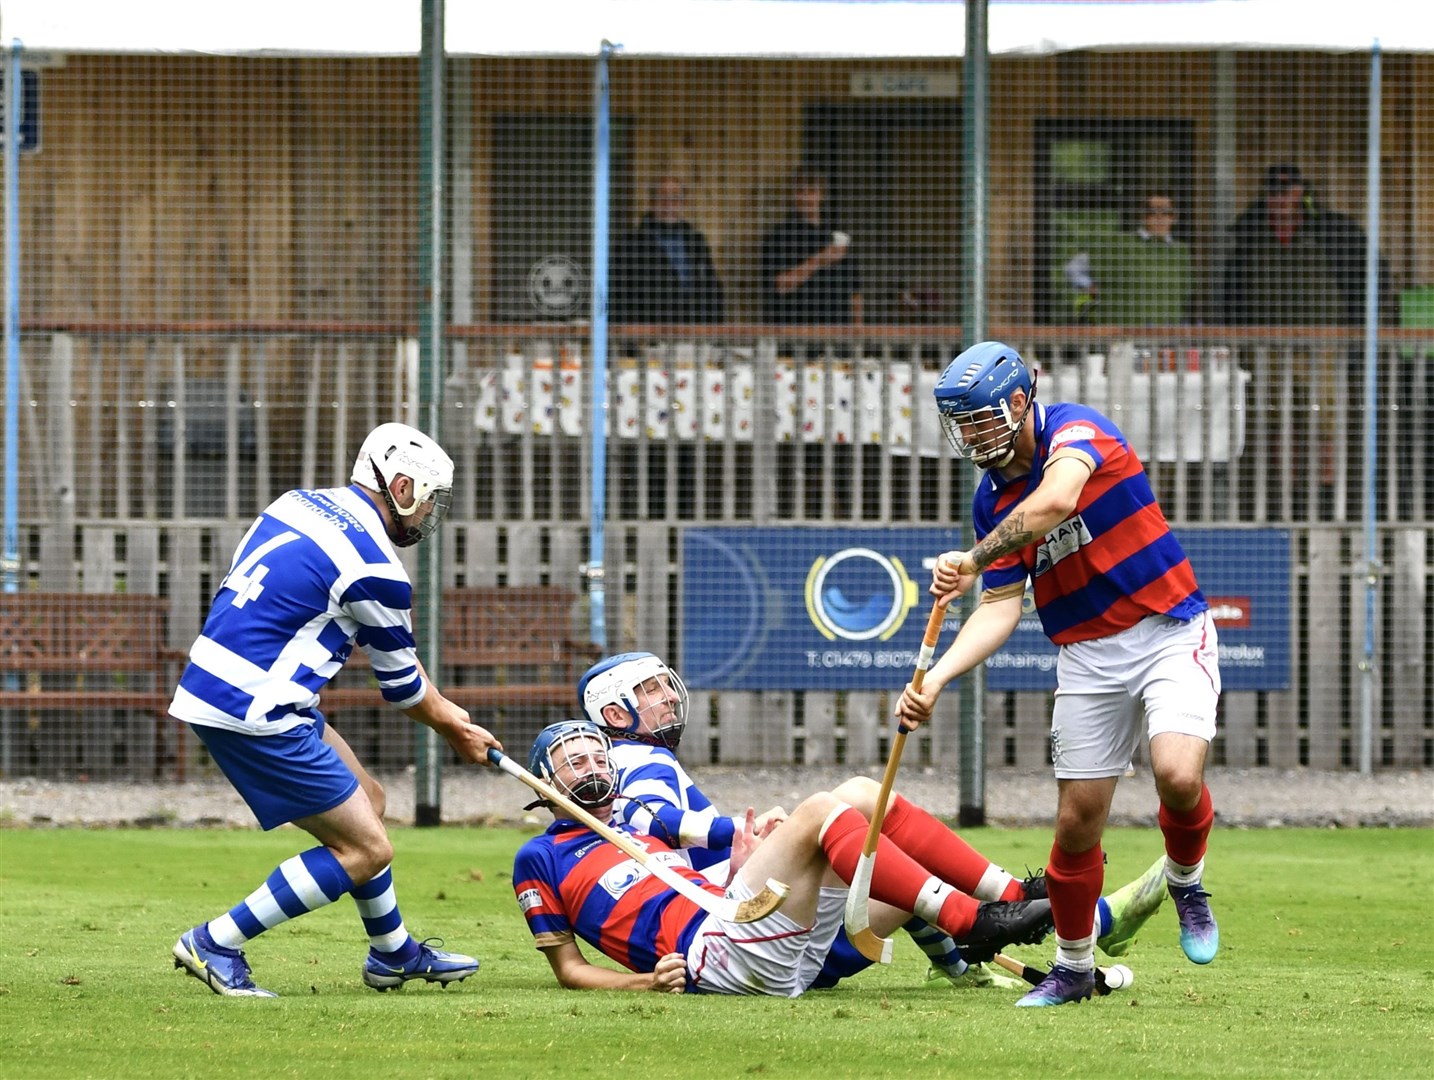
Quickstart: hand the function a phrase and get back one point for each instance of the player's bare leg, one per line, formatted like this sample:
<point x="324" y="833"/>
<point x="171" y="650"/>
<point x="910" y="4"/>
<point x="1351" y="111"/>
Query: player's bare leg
<point x="1186" y="816"/>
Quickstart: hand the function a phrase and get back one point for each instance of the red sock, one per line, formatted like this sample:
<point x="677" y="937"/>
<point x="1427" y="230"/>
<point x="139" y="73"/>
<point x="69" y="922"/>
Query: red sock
<point x="897" y="878"/>
<point x="1074" y="882"/>
<point x="1186" y="831"/>
<point x="934" y="845"/>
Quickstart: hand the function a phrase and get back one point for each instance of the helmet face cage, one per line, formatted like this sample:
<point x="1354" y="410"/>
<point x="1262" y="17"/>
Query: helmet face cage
<point x="650" y="694"/>
<point x="393" y="450"/>
<point x="591" y="781"/>
<point x="973" y="401"/>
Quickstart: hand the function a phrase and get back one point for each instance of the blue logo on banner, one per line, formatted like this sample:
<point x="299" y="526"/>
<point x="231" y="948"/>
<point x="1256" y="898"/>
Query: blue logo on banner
<point x="804" y="609"/>
<point x="1245" y="576"/>
<point x="858" y="594"/>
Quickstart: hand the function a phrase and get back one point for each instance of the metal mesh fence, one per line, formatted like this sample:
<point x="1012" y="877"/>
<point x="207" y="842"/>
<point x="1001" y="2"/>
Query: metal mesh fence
<point x="220" y="294"/>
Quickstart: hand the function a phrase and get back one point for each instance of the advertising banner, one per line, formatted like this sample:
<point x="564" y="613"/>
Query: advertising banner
<point x="844" y="609"/>
<point x="1245" y="576"/>
<point x="806" y="609"/>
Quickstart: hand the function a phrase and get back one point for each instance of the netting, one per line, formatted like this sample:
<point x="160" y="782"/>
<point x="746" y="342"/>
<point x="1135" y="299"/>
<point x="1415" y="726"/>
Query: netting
<point x="220" y="293"/>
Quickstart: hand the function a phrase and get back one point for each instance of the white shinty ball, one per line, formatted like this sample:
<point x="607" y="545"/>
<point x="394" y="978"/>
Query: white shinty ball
<point x="1119" y="977"/>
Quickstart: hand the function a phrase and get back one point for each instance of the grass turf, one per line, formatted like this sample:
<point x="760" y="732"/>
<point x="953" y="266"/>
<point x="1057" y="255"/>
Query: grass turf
<point x="1326" y="968"/>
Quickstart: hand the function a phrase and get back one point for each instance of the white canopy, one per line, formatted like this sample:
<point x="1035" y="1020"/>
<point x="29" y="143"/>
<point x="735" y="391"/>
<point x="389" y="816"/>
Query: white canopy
<point x="795" y="28"/>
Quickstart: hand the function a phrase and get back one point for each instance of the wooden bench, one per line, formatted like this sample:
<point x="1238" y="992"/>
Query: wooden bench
<point x="503" y="648"/>
<point x="94" y="655"/>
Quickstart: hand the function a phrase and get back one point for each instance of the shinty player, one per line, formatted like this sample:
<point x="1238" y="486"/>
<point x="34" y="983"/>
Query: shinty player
<point x="572" y="885"/>
<point x="642" y="705"/>
<point x="316" y="572"/>
<point x="1064" y="501"/>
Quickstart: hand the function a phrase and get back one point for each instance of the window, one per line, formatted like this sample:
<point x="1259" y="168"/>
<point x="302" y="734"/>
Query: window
<point x="542" y="214"/>
<point x="1090" y="173"/>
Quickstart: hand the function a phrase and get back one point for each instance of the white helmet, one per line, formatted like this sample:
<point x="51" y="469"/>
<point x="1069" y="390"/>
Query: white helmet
<point x="618" y="681"/>
<point x="393" y="450"/>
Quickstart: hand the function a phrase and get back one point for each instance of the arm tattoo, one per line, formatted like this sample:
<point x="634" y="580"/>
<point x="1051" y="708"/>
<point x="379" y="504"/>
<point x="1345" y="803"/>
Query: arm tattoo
<point x="1011" y="535"/>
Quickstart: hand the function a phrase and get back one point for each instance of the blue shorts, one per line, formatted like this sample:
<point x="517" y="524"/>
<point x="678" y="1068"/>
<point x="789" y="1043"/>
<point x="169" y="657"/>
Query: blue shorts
<point x="283" y="777"/>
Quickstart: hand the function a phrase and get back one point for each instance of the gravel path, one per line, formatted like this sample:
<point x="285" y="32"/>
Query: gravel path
<point x="1254" y="798"/>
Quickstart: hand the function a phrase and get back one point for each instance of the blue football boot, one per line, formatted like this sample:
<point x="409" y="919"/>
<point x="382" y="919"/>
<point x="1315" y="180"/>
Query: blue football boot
<point x="1199" y="935"/>
<point x="225" y="971"/>
<point x="1061" y="986"/>
<point x="430" y="964"/>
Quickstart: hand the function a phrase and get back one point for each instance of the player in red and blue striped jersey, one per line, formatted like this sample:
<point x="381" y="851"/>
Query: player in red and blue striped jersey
<point x="317" y="572"/>
<point x="642" y="705"/>
<point x="571" y="885"/>
<point x="1065" y="503"/>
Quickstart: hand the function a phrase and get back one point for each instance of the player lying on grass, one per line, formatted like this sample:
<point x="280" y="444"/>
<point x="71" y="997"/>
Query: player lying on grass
<point x="571" y="884"/>
<point x="642" y="705"/>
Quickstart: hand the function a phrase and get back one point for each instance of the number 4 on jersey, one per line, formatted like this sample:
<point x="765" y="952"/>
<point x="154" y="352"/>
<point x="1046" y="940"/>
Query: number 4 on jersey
<point x="247" y="577"/>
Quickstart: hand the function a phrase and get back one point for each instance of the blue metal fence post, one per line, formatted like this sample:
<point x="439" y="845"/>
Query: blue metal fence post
<point x="13" y="92"/>
<point x="597" y="348"/>
<point x="1371" y="420"/>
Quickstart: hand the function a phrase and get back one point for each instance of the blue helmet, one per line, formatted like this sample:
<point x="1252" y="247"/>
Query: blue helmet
<point x="655" y="715"/>
<point x="590" y="790"/>
<point x="973" y="399"/>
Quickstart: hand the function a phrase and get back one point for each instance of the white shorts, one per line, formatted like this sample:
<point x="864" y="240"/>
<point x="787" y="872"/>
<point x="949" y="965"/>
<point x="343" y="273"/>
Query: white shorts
<point x="1170" y="667"/>
<point x="776" y="956"/>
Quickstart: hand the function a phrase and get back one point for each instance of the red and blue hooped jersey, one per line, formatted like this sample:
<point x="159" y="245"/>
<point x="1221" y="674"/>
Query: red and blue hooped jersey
<point x="570" y="882"/>
<point x="1115" y="560"/>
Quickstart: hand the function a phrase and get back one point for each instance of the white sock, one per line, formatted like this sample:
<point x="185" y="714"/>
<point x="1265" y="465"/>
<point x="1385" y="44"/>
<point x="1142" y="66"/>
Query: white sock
<point x="1077" y="954"/>
<point x="1183" y="875"/>
<point x="932" y="899"/>
<point x="992" y="884"/>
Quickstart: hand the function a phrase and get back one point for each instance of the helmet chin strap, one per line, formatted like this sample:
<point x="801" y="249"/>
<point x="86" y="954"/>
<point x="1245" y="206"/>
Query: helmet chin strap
<point x="1000" y="462"/>
<point x="410" y="535"/>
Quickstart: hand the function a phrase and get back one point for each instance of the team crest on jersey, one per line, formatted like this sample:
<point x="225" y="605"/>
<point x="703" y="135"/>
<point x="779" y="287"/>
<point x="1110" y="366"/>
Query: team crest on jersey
<point x="1065" y="539"/>
<point x="622" y="877"/>
<point x="1074" y="433"/>
<point x="529" y="900"/>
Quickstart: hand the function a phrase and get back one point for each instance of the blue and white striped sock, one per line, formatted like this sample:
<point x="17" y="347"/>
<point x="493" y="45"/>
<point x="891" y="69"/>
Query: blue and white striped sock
<point x="305" y="883"/>
<point x="378" y="908"/>
<point x="937" y="944"/>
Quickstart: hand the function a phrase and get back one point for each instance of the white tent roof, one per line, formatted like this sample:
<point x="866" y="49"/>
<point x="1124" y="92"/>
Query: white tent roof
<point x="804" y="28"/>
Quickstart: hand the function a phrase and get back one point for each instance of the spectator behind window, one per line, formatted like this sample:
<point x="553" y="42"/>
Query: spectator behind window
<point x="663" y="272"/>
<point x="1141" y="278"/>
<point x="809" y="274"/>
<point x="1294" y="262"/>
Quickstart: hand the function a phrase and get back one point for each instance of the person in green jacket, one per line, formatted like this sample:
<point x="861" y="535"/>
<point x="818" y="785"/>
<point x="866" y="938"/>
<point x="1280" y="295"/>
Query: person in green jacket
<point x="1141" y="278"/>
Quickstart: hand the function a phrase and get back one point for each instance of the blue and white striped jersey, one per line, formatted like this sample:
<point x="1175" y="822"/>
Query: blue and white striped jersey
<point x="657" y="797"/>
<point x="314" y="574"/>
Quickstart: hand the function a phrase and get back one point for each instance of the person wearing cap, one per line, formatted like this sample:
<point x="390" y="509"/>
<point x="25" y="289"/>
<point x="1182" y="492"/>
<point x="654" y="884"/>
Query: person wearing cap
<point x="1284" y="262"/>
<point x="1294" y="262"/>
<point x="317" y="573"/>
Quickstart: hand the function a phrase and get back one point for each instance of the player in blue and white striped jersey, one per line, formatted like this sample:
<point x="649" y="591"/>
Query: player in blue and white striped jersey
<point x="315" y="574"/>
<point x="642" y="704"/>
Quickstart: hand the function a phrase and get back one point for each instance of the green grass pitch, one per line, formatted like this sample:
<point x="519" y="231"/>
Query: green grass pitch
<point x="1326" y="969"/>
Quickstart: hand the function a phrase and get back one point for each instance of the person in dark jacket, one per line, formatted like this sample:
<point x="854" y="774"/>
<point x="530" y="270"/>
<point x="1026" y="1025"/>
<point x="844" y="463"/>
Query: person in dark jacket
<point x="663" y="272"/>
<point x="1295" y="262"/>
